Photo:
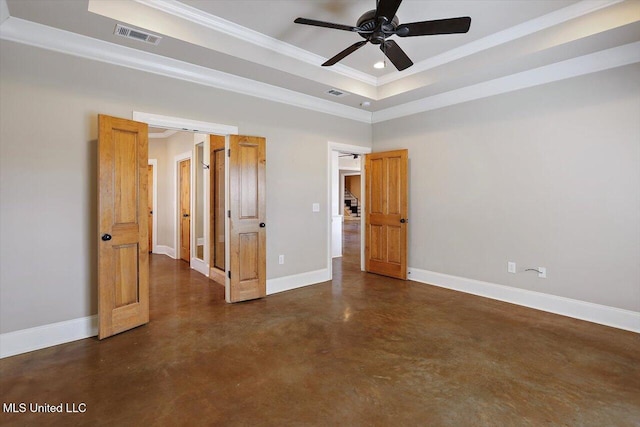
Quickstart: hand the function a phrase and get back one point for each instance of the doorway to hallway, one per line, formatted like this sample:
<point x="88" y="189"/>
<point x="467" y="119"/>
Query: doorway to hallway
<point x="345" y="245"/>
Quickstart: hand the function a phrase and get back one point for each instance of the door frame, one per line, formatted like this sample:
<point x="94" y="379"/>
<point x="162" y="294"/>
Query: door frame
<point x="154" y="226"/>
<point x="343" y="182"/>
<point x="355" y="149"/>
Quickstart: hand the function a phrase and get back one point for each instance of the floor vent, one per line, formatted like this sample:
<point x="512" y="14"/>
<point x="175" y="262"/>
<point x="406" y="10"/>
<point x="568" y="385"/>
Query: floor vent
<point x="336" y="92"/>
<point x="139" y="35"/>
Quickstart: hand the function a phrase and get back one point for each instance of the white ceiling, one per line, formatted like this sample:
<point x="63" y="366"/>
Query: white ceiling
<point x="254" y="46"/>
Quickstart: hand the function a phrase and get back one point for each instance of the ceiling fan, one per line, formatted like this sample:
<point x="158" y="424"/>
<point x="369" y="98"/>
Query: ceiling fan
<point x="375" y="26"/>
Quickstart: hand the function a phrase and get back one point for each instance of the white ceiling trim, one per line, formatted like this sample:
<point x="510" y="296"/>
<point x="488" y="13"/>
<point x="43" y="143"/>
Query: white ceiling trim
<point x="34" y="34"/>
<point x="591" y="63"/>
<point x="197" y="16"/>
<point x="573" y="11"/>
<point x="30" y="33"/>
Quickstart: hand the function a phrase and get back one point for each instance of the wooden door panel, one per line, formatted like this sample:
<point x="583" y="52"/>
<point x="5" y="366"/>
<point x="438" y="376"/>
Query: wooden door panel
<point x="377" y="186"/>
<point x="248" y="185"/>
<point x="247" y="232"/>
<point x="394" y="244"/>
<point x="392" y="189"/>
<point x="123" y="258"/>
<point x="185" y="210"/>
<point x="126" y="270"/>
<point x="386" y="213"/>
<point x="376" y="239"/>
<point x="126" y="189"/>
<point x="249" y="248"/>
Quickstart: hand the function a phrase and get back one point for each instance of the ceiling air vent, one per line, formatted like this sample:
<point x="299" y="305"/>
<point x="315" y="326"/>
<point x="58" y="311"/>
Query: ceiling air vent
<point x="139" y="35"/>
<point x="336" y="92"/>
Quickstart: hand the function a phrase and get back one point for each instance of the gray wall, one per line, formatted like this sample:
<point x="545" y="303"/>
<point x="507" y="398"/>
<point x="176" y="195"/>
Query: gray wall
<point x="548" y="176"/>
<point x="158" y="151"/>
<point x="165" y="150"/>
<point x="49" y="104"/>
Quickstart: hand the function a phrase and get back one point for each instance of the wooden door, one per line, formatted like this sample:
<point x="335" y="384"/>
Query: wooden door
<point x="247" y="224"/>
<point x="386" y="219"/>
<point x="185" y="210"/>
<point x="123" y="253"/>
<point x="150" y="204"/>
<point x="217" y="219"/>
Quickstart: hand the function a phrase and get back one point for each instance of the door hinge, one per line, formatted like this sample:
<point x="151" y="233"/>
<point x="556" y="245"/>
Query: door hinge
<point x="229" y="152"/>
<point x="229" y="214"/>
<point x="229" y="274"/>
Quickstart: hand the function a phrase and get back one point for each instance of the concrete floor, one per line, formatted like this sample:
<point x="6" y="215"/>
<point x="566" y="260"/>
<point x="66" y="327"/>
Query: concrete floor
<point x="360" y="350"/>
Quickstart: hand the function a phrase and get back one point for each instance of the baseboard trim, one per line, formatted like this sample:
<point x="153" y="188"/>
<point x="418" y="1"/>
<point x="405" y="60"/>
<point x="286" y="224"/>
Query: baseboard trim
<point x="165" y="250"/>
<point x="26" y="340"/>
<point x="200" y="266"/>
<point x="294" y="281"/>
<point x="596" y="313"/>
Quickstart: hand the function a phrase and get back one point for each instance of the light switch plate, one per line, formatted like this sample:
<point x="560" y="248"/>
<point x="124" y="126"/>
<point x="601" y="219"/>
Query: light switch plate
<point x="511" y="267"/>
<point x="315" y="207"/>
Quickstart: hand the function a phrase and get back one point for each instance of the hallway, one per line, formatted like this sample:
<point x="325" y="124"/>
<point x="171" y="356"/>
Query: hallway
<point x="360" y="350"/>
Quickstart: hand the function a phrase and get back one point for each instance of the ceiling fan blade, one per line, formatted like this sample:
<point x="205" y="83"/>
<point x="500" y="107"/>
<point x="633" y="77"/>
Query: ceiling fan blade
<point x="348" y="51"/>
<point x="396" y="55"/>
<point x="438" y="26"/>
<point x="387" y="8"/>
<point x="315" y="23"/>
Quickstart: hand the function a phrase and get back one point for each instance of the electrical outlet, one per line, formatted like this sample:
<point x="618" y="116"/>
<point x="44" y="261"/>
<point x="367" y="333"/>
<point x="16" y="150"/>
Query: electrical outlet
<point x="511" y="267"/>
<point x="315" y="207"/>
<point x="542" y="272"/>
<point x="281" y="259"/>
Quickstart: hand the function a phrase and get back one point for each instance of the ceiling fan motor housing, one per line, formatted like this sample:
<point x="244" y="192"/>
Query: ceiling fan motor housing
<point x="367" y="22"/>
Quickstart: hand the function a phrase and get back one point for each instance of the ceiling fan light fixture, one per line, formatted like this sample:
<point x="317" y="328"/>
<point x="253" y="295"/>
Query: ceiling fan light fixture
<point x="380" y="65"/>
<point x="377" y="25"/>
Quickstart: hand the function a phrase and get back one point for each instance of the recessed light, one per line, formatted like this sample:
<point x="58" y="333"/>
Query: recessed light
<point x="380" y="64"/>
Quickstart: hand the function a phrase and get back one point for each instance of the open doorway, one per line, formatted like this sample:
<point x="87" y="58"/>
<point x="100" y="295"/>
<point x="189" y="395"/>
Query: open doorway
<point x="346" y="243"/>
<point x="182" y="151"/>
<point x="351" y="184"/>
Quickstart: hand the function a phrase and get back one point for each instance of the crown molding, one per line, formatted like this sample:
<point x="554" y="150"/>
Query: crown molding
<point x="199" y="17"/>
<point x="573" y="11"/>
<point x="38" y="35"/>
<point x="587" y="64"/>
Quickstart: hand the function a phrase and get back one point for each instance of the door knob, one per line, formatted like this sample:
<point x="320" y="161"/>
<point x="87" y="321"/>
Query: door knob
<point x="263" y="225"/>
<point x="106" y="237"/>
<point x="404" y="220"/>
